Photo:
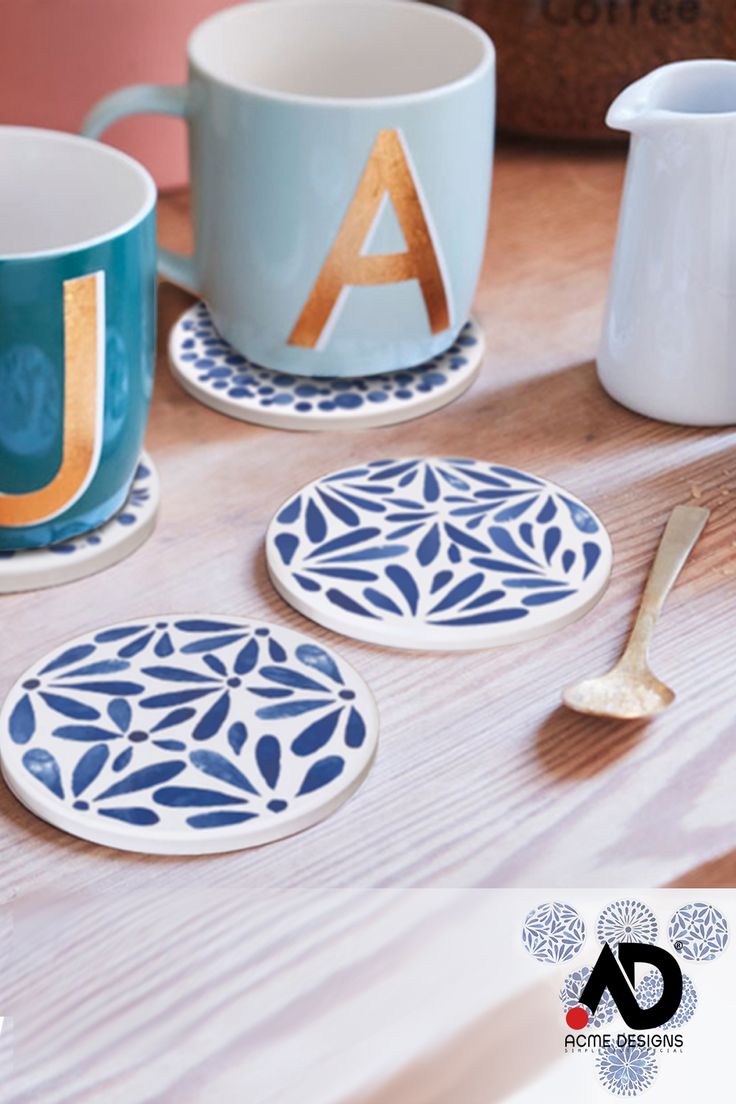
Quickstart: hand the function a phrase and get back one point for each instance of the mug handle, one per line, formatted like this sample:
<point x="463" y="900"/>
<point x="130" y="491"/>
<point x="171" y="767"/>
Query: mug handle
<point x="138" y="99"/>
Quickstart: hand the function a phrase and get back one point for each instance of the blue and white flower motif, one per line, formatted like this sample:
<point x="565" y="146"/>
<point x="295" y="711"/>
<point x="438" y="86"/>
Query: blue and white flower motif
<point x="188" y="723"/>
<point x="626" y="921"/>
<point x="570" y="997"/>
<point x="213" y="365"/>
<point x="436" y="545"/>
<point x="626" y="1071"/>
<point x="129" y="640"/>
<point x="650" y="989"/>
<point x="553" y="932"/>
<point x="57" y="685"/>
<point x="699" y="932"/>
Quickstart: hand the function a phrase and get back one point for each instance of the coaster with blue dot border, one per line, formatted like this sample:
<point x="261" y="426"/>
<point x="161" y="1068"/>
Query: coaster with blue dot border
<point x="88" y="553"/>
<point x="214" y="373"/>
<point x="438" y="553"/>
<point x="187" y="734"/>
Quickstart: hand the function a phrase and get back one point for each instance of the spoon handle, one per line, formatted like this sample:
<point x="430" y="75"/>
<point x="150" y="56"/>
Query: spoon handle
<point x="683" y="528"/>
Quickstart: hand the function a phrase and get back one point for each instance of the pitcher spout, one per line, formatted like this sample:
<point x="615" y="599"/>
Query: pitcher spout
<point x="635" y="107"/>
<point x="679" y="92"/>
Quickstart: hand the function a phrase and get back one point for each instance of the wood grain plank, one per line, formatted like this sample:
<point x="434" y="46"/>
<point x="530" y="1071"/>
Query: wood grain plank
<point x="321" y="997"/>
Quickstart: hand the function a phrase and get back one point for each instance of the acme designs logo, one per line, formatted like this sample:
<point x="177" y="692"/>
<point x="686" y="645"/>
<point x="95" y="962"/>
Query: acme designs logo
<point x="663" y="999"/>
<point x="618" y="978"/>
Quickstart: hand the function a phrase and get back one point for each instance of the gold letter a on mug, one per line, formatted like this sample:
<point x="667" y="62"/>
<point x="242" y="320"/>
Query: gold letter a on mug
<point x="84" y="377"/>
<point x="388" y="172"/>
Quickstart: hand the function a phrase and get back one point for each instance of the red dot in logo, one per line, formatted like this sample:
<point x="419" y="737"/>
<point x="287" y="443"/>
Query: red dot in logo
<point x="577" y="1018"/>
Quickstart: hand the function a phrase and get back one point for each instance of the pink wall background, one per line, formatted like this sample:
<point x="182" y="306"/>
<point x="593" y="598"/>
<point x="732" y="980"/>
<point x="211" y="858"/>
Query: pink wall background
<point x="58" y="57"/>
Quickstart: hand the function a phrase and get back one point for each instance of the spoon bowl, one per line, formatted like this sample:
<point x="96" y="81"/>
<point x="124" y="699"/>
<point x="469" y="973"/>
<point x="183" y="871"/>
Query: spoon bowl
<point x="621" y="695"/>
<point x="630" y="691"/>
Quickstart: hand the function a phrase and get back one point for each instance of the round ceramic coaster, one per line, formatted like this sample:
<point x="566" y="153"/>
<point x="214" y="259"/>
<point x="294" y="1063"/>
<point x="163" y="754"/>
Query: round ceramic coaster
<point x="213" y="372"/>
<point x="438" y="553"/>
<point x="90" y="552"/>
<point x="187" y="735"/>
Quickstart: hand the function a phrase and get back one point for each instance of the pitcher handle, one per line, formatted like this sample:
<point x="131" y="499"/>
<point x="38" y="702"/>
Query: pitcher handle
<point x="138" y="99"/>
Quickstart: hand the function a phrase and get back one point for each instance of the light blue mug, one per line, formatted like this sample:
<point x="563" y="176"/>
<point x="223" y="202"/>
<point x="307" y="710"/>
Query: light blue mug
<point x="341" y="156"/>
<point x="77" y="330"/>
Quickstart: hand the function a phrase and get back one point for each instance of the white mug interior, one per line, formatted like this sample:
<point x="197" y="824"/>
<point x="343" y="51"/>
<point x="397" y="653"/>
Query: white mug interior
<point x="339" y="49"/>
<point x="60" y="192"/>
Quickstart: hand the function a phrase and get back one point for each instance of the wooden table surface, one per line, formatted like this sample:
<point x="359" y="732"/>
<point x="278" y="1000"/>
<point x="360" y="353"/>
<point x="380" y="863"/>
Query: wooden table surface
<point x="482" y="778"/>
<point x="288" y="997"/>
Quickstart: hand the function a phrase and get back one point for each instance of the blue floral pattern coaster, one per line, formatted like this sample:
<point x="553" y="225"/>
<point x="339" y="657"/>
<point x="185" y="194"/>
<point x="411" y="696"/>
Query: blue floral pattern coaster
<point x="187" y="735"/>
<point x="91" y="552"/>
<point x="438" y="553"/>
<point x="212" y="371"/>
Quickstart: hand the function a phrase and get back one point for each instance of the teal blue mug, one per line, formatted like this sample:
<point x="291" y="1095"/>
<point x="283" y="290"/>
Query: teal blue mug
<point x="77" y="332"/>
<point x="341" y="157"/>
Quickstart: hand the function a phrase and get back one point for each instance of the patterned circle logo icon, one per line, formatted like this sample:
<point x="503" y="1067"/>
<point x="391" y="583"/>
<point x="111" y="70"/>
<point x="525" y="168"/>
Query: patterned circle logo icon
<point x="570" y="997"/>
<point x="626" y="921"/>
<point x="649" y="991"/>
<point x="553" y="932"/>
<point x="626" y="1071"/>
<point x="698" y="932"/>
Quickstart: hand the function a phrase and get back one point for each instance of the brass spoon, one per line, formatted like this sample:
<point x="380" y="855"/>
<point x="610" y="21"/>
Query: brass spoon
<point x="630" y="690"/>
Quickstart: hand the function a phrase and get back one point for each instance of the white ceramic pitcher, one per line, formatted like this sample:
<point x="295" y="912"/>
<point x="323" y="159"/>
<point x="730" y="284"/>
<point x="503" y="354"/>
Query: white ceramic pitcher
<point x="668" y="347"/>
